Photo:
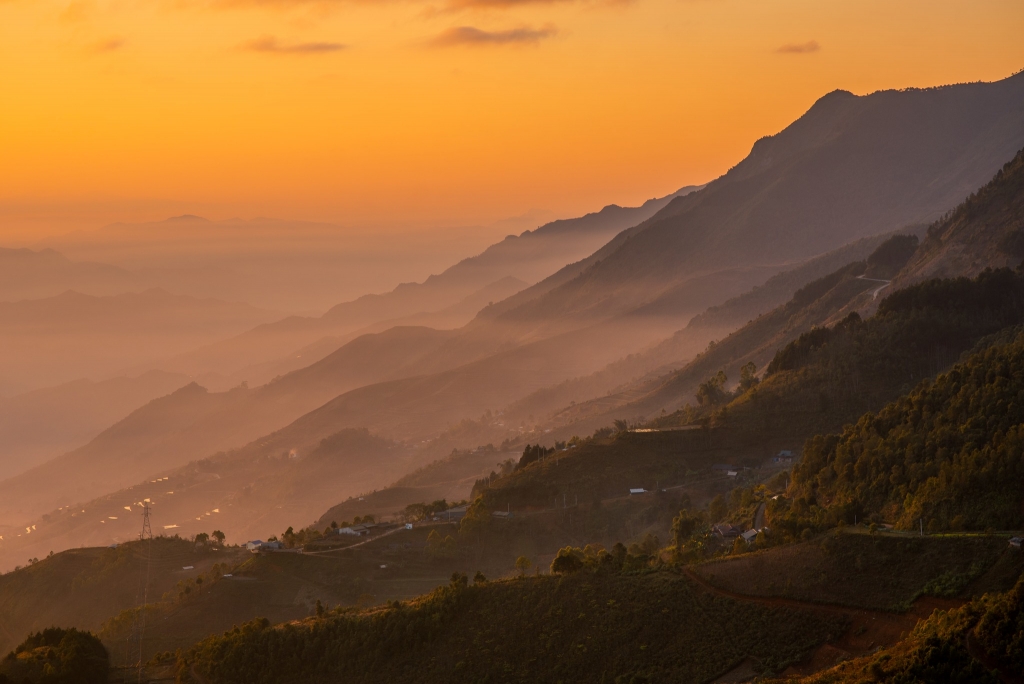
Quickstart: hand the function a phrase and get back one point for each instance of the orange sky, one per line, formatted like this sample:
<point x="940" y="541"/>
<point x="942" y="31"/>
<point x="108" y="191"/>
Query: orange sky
<point x="433" y="111"/>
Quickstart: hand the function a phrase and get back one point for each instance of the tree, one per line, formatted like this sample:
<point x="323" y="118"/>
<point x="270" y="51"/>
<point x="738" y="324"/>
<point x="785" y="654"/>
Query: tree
<point x="718" y="509"/>
<point x="522" y="565"/>
<point x="684" y="525"/>
<point x="712" y="391"/>
<point x="748" y="376"/>
<point x="476" y="519"/>
<point x="219" y="536"/>
<point x="59" y="655"/>
<point x="479" y="578"/>
<point x="567" y="562"/>
<point x="202" y="538"/>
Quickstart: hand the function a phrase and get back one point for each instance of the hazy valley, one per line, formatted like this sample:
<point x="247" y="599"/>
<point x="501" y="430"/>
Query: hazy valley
<point x="768" y="427"/>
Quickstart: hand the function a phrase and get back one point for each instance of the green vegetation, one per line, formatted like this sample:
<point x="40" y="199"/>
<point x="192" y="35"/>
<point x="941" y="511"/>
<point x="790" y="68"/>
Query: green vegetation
<point x="828" y="377"/>
<point x="588" y="627"/>
<point x="948" y="454"/>
<point x="56" y="656"/>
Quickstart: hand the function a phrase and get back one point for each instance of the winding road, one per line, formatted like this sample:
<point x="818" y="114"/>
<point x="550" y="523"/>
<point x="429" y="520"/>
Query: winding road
<point x="874" y="293"/>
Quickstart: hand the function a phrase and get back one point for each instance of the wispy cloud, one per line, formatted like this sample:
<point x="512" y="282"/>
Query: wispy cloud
<point x="270" y="45"/>
<point x="799" y="48"/>
<point x="111" y="44"/>
<point x="472" y="36"/>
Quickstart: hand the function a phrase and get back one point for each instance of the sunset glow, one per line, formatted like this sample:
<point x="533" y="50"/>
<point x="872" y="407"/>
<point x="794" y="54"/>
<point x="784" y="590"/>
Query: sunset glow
<point x="426" y="112"/>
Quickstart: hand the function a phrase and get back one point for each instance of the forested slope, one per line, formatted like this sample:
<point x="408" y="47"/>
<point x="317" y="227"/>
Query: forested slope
<point x="950" y="453"/>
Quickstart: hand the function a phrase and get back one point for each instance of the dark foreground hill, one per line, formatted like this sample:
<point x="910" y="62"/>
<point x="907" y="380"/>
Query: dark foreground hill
<point x="981" y="642"/>
<point x="652" y="627"/>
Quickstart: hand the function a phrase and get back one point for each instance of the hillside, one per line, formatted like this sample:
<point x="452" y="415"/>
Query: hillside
<point x="979" y="642"/>
<point x="241" y="495"/>
<point x="69" y="336"/>
<point x="982" y="232"/>
<point x="597" y="395"/>
<point x="851" y="166"/>
<point x="38" y="274"/>
<point x="812" y="303"/>
<point x="29" y="435"/>
<point x="944" y="456"/>
<point x="528" y="257"/>
<point x="571" y="629"/>
<point x="882" y="571"/>
<point x="193" y="424"/>
<point x="85" y="587"/>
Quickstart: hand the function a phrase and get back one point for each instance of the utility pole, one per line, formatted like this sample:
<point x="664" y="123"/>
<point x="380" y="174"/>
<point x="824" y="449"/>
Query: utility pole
<point x="133" y="649"/>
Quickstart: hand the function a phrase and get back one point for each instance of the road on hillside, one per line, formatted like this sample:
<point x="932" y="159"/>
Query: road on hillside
<point x="874" y="293"/>
<point x="759" y="517"/>
<point x="346" y="548"/>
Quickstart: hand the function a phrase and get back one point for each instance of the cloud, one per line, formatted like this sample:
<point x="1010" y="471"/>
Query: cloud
<point x="111" y="44"/>
<point x="470" y="35"/>
<point x="270" y="45"/>
<point x="799" y="48"/>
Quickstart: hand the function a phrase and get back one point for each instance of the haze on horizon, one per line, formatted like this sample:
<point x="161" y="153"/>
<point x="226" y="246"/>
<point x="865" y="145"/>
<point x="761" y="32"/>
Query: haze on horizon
<point x="427" y="113"/>
<point x="603" y="288"/>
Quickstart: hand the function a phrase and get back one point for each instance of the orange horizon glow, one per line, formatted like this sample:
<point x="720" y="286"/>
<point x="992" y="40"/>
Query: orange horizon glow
<point x="432" y="112"/>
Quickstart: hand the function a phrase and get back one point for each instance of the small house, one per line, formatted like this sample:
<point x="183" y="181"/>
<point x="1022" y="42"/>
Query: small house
<point x="258" y="546"/>
<point x="639" y="490"/>
<point x="1016" y="542"/>
<point x="749" y="536"/>
<point x="502" y="515"/>
<point x="726" y="531"/>
<point x="783" y="456"/>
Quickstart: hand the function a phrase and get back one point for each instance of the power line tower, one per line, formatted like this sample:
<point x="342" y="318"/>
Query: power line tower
<point x="133" y="647"/>
<point x="147" y="531"/>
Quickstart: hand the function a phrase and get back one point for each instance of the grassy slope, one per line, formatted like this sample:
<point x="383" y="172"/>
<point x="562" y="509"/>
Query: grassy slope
<point x="84" y="587"/>
<point x="285" y="586"/>
<point x="880" y="572"/>
<point x="654" y="627"/>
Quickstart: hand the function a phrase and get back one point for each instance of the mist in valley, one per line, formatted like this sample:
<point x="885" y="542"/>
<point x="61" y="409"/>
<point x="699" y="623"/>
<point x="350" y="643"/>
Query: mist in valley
<point x="415" y="412"/>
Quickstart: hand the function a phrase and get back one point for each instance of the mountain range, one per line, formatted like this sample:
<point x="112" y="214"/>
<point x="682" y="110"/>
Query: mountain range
<point x="852" y="168"/>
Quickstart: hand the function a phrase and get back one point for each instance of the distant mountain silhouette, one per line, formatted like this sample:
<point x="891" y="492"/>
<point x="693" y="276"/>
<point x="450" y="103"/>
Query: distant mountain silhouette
<point x="530" y="256"/>
<point x="851" y="167"/>
<point x="30" y="274"/>
<point x="848" y="168"/>
<point x="71" y="335"/>
<point x="40" y="425"/>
